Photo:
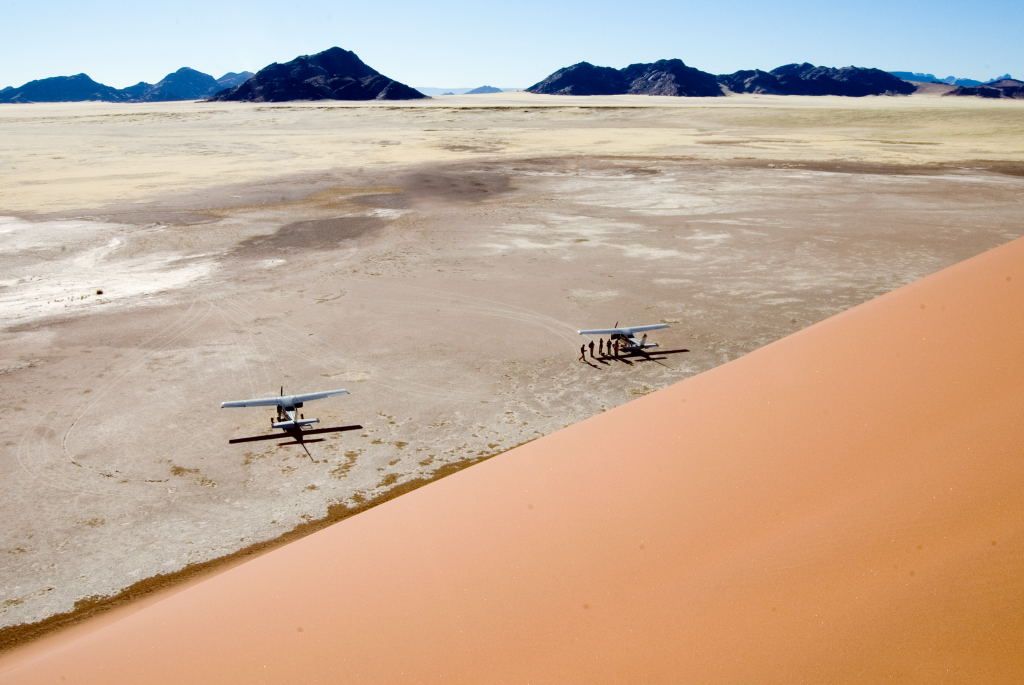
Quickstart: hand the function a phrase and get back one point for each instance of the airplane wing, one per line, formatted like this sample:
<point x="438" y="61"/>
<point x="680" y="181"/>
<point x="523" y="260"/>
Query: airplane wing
<point x="623" y="330"/>
<point x="285" y="400"/>
<point x="601" y="331"/>
<point x="310" y="396"/>
<point x="258" y="402"/>
<point x="648" y="327"/>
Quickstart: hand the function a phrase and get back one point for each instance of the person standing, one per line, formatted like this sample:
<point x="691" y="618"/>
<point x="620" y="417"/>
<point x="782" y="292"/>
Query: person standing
<point x="616" y="348"/>
<point x="600" y="346"/>
<point x="592" y="350"/>
<point x="583" y="352"/>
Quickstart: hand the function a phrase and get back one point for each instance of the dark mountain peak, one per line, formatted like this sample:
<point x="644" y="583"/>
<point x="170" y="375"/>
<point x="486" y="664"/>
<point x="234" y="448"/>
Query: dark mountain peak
<point x="337" y="60"/>
<point x="233" y="79"/>
<point x="671" y="63"/>
<point x="807" y="79"/>
<point x="331" y="62"/>
<point x="670" y="77"/>
<point x="792" y="69"/>
<point x="132" y="93"/>
<point x="751" y="81"/>
<point x="334" y="74"/>
<point x="664" y="77"/>
<point x="582" y="78"/>
<point x="78" y="87"/>
<point x="184" y="84"/>
<point x="187" y="75"/>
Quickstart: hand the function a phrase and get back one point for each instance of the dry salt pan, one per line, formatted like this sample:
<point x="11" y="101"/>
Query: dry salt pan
<point x="75" y="266"/>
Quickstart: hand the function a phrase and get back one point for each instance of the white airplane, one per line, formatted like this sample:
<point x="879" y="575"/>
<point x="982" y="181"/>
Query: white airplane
<point x="627" y="334"/>
<point x="288" y="418"/>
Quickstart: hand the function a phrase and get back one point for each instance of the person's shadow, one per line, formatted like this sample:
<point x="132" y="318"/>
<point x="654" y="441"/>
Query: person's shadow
<point x="635" y="357"/>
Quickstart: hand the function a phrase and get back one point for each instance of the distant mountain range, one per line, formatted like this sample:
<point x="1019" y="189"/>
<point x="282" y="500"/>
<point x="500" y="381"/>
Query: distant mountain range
<point x="1002" y="88"/>
<point x="337" y="74"/>
<point x="673" y="77"/>
<point x="432" y="90"/>
<point x="950" y="80"/>
<point x="932" y="78"/>
<point x="334" y="74"/>
<point x="183" y="84"/>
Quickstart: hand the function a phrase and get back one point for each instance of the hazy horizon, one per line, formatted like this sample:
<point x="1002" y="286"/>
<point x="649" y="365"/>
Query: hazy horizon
<point x="455" y="43"/>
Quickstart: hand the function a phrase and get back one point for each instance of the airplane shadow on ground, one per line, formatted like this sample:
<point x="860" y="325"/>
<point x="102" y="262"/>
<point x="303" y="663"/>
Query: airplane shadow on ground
<point x="634" y="358"/>
<point x="297" y="437"/>
<point x="292" y="437"/>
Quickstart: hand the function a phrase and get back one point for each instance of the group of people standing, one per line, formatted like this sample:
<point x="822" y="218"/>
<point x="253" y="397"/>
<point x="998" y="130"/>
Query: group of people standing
<point x="610" y="350"/>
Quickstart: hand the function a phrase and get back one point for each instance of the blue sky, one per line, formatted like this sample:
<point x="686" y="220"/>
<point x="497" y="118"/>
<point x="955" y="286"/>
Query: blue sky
<point x="452" y="43"/>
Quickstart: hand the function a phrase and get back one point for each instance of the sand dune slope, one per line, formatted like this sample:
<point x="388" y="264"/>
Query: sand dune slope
<point x="844" y="505"/>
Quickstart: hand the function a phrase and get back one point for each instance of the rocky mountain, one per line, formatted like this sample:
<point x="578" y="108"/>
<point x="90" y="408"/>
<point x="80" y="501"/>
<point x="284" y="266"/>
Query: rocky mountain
<point x="136" y="92"/>
<point x="664" y="77"/>
<point x="808" y="79"/>
<point x="1003" y="88"/>
<point x="233" y="79"/>
<point x="333" y="74"/>
<point x="62" y="89"/>
<point x="673" y="77"/>
<point x="483" y="90"/>
<point x="183" y="84"/>
<point x="751" y="81"/>
<point x="582" y="78"/>
<point x="670" y="77"/>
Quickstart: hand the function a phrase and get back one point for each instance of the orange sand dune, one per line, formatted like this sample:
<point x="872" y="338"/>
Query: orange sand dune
<point x="845" y="505"/>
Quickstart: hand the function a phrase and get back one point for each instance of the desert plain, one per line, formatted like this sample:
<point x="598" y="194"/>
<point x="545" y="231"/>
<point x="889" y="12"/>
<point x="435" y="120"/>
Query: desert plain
<point x="435" y="258"/>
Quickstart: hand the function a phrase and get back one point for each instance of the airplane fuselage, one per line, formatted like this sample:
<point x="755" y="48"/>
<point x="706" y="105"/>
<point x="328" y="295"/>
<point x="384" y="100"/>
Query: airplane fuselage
<point x="288" y="419"/>
<point x="631" y="342"/>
